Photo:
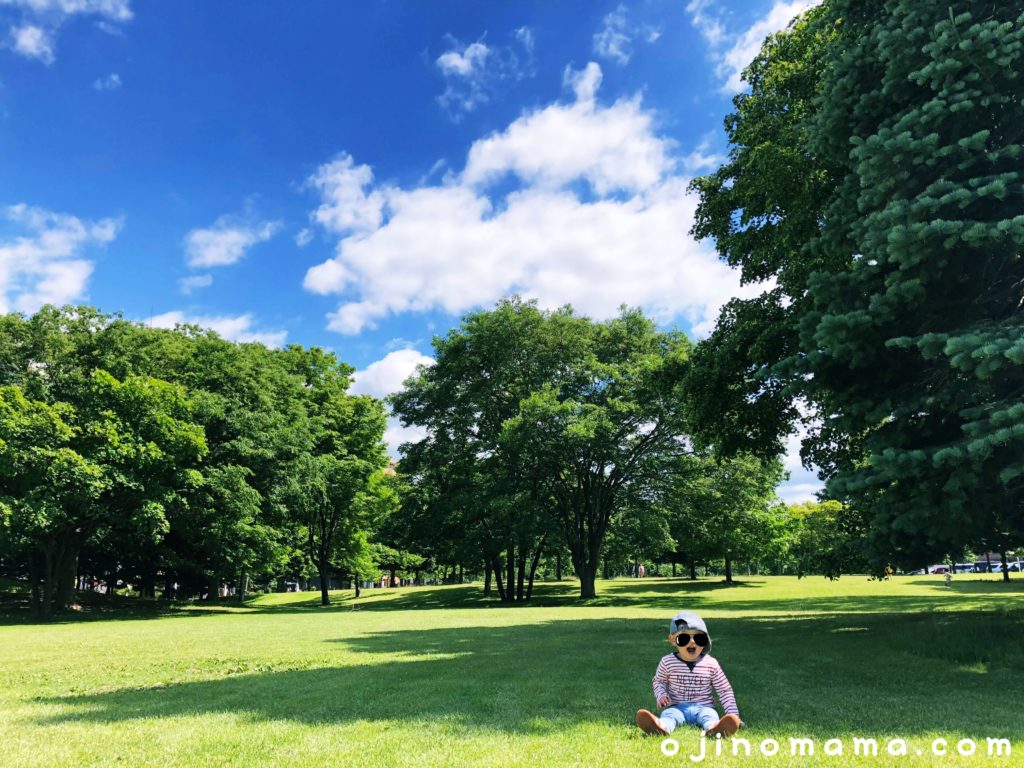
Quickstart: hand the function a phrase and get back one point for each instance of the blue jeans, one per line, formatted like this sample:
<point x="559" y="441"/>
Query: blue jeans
<point x="684" y="713"/>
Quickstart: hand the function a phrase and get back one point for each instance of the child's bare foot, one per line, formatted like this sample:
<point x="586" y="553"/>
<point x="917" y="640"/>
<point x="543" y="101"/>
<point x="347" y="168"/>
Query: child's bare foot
<point x="648" y="722"/>
<point x="727" y="726"/>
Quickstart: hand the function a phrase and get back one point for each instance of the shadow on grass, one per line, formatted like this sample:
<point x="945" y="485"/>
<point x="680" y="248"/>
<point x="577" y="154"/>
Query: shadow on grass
<point x="669" y="595"/>
<point x="661" y="593"/>
<point x="972" y="587"/>
<point x="861" y="674"/>
<point x="15" y="608"/>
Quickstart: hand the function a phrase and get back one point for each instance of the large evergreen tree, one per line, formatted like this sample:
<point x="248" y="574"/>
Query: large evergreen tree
<point x="916" y="346"/>
<point x="898" y="314"/>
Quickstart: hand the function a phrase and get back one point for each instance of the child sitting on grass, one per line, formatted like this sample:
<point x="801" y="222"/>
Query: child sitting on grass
<point x="684" y="681"/>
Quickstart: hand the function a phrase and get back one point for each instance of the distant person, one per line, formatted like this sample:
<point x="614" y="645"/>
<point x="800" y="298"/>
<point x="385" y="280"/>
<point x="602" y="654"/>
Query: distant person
<point x="949" y="578"/>
<point x="684" y="682"/>
<point x="888" y="572"/>
<point x="641" y="571"/>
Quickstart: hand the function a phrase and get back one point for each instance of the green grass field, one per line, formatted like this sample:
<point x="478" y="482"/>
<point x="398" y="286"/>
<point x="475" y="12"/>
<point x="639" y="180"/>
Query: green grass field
<point x="436" y="676"/>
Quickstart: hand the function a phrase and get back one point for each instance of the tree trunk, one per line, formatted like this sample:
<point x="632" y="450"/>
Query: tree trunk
<point x="65" y="573"/>
<point x="36" y="593"/>
<point x="243" y="586"/>
<point x="588" y="581"/>
<point x="533" y="569"/>
<point x="487" y="577"/>
<point x="510" y="573"/>
<point x="693" y="570"/>
<point x="495" y="564"/>
<point x="1006" y="571"/>
<point x="323" y="569"/>
<point x="521" y="580"/>
<point x="394" y="578"/>
<point x="47" y="580"/>
<point x="355" y="579"/>
<point x="673" y="569"/>
<point x="728" y="570"/>
<point x="462" y="574"/>
<point x="147" y="583"/>
<point x="558" y="567"/>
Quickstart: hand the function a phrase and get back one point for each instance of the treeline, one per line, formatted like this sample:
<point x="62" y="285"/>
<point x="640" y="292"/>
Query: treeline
<point x="177" y="461"/>
<point x="560" y="445"/>
<point x="552" y="436"/>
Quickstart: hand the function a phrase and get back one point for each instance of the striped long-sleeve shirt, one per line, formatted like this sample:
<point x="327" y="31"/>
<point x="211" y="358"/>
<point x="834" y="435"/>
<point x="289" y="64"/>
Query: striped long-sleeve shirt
<point x="675" y="680"/>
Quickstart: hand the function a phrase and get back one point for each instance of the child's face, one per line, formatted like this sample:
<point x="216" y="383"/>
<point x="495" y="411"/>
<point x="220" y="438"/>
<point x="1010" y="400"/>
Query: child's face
<point x="686" y="646"/>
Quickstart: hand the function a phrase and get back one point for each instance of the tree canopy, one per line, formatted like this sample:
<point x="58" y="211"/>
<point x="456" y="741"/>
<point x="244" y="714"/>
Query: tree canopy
<point x="147" y="453"/>
<point x="875" y="178"/>
<point x="541" y="426"/>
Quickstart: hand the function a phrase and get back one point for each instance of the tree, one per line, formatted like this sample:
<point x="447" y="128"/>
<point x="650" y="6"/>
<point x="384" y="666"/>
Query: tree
<point x="640" y="533"/>
<point x="917" y="342"/>
<point x="49" y="490"/>
<point x="472" y="499"/>
<point x="761" y="208"/>
<point x="897" y="314"/>
<point x="728" y="509"/>
<point x="124" y="451"/>
<point x="828" y="539"/>
<point x="549" y="422"/>
<point x="251" y="410"/>
<point x="328" y="482"/>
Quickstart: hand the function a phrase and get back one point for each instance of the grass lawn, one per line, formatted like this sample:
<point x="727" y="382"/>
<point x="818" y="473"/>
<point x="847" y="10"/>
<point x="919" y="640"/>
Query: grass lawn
<point x="436" y="676"/>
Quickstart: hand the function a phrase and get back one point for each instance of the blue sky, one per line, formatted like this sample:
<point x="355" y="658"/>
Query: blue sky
<point x="358" y="175"/>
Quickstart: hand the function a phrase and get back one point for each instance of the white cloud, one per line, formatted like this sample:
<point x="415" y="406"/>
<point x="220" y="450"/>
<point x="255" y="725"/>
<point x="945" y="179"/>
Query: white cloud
<point x="709" y="25"/>
<point x="46" y="266"/>
<point x="385" y="376"/>
<point x="472" y="72"/>
<point x="584" y="83"/>
<point x="615" y="39"/>
<point x="233" y="328"/>
<point x="395" y="435"/>
<point x="748" y="43"/>
<point x="612" y="148"/>
<point x="189" y="284"/>
<point x="304" y="237"/>
<point x="525" y="37"/>
<point x="115" y="10"/>
<point x="743" y="46"/>
<point x="701" y="158"/>
<point x="34" y="37"/>
<point x="226" y="241"/>
<point x="33" y="42"/>
<point x="803" y="483"/>
<point x="347" y="207"/>
<point x="109" y="83"/>
<point x="461" y="244"/>
<point x="794" y="493"/>
<point x="470" y="63"/>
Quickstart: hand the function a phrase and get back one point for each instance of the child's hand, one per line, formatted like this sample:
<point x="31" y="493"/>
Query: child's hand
<point x="664" y="701"/>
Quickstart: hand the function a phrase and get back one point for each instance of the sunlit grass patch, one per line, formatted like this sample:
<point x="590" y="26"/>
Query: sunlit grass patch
<point x="441" y="676"/>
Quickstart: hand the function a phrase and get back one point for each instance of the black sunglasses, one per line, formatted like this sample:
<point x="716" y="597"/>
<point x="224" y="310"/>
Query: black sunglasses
<point x="683" y="639"/>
